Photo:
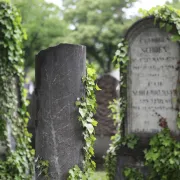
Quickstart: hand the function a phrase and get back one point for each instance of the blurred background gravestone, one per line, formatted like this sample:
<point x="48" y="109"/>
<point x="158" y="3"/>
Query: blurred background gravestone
<point x="108" y="84"/>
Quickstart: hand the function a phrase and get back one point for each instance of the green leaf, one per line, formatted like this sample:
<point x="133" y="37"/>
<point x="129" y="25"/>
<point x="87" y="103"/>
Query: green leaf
<point x="161" y="24"/>
<point x="97" y="88"/>
<point x="89" y="127"/>
<point x="175" y="38"/>
<point x="171" y="161"/>
<point x="91" y="71"/>
<point x="169" y="27"/>
<point x="82" y="112"/>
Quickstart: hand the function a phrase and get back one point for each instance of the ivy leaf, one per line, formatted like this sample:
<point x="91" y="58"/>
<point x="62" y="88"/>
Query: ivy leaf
<point x="120" y="44"/>
<point x="161" y="24"/>
<point x="117" y="53"/>
<point x="168" y="27"/>
<point x="82" y="112"/>
<point x="78" y="103"/>
<point x="91" y="71"/>
<point x="90" y="128"/>
<point x="97" y="88"/>
<point x="171" y="161"/>
<point x="94" y="122"/>
<point x="175" y="38"/>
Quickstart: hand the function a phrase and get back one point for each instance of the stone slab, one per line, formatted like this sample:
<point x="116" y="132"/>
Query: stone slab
<point x="152" y="78"/>
<point x="59" y="72"/>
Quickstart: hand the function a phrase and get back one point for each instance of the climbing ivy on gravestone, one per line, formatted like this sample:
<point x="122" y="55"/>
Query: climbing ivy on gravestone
<point x="16" y="153"/>
<point x="162" y="154"/>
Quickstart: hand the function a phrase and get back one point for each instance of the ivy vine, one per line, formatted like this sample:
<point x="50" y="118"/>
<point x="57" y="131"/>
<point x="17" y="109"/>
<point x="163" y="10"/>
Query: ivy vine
<point x="167" y="17"/>
<point x="19" y="157"/>
<point x="133" y="174"/>
<point x="163" y="155"/>
<point x="42" y="167"/>
<point x="120" y="61"/>
<point x="87" y="108"/>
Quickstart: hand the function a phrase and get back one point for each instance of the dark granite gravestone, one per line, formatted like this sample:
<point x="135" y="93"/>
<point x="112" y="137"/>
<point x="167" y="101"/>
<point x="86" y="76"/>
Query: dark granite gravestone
<point x="59" y="72"/>
<point x="152" y="79"/>
<point x="105" y="128"/>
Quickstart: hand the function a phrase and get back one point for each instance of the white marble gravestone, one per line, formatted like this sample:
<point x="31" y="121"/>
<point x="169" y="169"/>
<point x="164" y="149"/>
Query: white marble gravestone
<point x="152" y="78"/>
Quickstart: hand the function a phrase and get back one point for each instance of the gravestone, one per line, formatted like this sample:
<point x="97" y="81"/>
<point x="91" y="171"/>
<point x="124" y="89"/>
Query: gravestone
<point x="105" y="128"/>
<point x="152" y="79"/>
<point x="59" y="72"/>
<point x="107" y="84"/>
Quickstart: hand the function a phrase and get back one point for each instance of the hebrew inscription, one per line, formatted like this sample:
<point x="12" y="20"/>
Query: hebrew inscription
<point x="152" y="81"/>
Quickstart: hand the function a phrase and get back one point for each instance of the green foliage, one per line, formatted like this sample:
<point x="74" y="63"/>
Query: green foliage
<point x="87" y="108"/>
<point x="130" y="141"/>
<point x="174" y="4"/>
<point x="110" y="159"/>
<point x="121" y="59"/>
<point x="115" y="112"/>
<point x="44" y="25"/>
<point x="99" y="25"/>
<point x="163" y="156"/>
<point x="117" y="141"/>
<point x="18" y="163"/>
<point x="42" y="167"/>
<point x="132" y="174"/>
<point x="168" y="17"/>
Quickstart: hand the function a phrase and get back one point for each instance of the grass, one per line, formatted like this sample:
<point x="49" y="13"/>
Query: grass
<point x="98" y="175"/>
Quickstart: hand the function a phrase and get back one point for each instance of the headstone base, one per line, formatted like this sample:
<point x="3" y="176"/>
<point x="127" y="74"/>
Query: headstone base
<point x="130" y="162"/>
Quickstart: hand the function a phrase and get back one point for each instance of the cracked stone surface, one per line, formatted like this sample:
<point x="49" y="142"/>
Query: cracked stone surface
<point x="58" y="84"/>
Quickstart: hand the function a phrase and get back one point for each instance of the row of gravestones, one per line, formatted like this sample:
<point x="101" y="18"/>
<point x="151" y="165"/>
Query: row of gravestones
<point x="152" y="76"/>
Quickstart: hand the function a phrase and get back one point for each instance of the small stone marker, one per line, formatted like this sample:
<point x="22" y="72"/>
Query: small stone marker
<point x="59" y="72"/>
<point x="107" y="84"/>
<point x="105" y="128"/>
<point x="152" y="78"/>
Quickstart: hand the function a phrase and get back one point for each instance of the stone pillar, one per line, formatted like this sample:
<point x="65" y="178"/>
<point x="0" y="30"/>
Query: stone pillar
<point x="59" y="139"/>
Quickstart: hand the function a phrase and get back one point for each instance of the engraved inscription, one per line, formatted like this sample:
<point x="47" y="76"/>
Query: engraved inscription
<point x="152" y="81"/>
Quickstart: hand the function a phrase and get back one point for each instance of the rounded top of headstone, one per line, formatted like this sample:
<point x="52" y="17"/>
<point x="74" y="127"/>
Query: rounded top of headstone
<point x="139" y="26"/>
<point x="108" y="92"/>
<point x="152" y="76"/>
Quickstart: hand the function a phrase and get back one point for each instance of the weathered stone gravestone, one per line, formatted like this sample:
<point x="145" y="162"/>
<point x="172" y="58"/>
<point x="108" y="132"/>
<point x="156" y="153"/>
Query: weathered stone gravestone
<point x="105" y="128"/>
<point x="59" y="72"/>
<point x="152" y="80"/>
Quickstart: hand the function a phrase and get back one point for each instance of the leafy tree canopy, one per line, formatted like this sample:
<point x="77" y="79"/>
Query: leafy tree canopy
<point x="175" y="4"/>
<point x="44" y="25"/>
<point x="99" y="25"/>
